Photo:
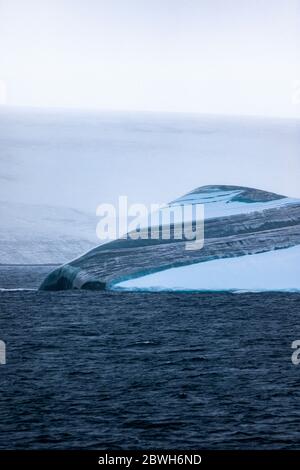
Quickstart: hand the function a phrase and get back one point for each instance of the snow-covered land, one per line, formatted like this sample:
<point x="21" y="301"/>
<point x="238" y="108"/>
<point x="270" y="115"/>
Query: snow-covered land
<point x="41" y="234"/>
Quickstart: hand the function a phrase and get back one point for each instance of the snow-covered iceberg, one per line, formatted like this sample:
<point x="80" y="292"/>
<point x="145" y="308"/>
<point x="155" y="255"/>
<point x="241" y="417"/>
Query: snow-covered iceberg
<point x="252" y="242"/>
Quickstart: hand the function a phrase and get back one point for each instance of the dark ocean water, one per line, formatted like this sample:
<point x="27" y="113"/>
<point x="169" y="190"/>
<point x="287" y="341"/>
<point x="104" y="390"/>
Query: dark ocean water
<point x="97" y="370"/>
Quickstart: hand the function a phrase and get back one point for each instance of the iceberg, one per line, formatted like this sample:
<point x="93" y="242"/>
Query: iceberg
<point x="252" y="242"/>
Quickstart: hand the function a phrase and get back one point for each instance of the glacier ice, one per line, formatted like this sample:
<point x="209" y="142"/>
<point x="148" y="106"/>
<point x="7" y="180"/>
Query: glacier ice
<point x="276" y="270"/>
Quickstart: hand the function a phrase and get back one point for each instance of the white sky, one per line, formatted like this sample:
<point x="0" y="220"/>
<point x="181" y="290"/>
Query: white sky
<point x="204" y="56"/>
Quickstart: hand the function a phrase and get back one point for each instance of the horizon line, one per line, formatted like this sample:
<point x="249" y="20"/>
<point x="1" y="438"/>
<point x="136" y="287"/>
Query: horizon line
<point x="93" y="110"/>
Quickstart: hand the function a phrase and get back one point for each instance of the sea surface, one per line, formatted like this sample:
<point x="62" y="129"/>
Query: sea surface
<point x="101" y="370"/>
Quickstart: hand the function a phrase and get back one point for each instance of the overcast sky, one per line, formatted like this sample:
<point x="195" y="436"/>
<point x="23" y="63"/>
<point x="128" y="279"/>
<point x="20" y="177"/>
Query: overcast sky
<point x="204" y="56"/>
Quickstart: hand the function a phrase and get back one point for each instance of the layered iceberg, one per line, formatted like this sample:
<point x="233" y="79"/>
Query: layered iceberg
<point x="252" y="242"/>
